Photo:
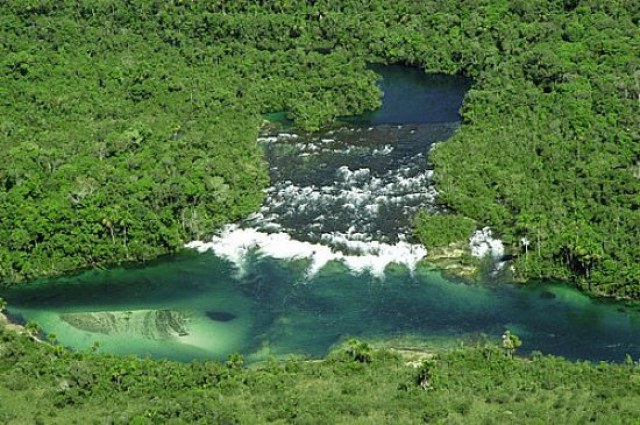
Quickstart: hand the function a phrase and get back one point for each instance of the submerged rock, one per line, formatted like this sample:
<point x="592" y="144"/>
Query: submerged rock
<point x="546" y="295"/>
<point x="220" y="316"/>
<point x="454" y="259"/>
<point x="151" y="324"/>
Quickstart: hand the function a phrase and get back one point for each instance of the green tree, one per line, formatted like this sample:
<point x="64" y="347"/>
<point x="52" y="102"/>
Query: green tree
<point x="235" y="361"/>
<point x="33" y="329"/>
<point x="359" y="351"/>
<point x="426" y="375"/>
<point x="510" y="342"/>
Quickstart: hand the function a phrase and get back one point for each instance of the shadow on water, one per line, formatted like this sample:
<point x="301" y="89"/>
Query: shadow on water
<point x="220" y="316"/>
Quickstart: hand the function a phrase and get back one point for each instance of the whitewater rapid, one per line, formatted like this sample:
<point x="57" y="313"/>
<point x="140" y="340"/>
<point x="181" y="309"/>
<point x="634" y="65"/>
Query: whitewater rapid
<point x="235" y="244"/>
<point x="347" y="195"/>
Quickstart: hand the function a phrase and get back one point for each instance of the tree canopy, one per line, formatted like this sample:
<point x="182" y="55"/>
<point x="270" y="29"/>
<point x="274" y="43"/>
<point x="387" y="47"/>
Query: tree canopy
<point x="128" y="127"/>
<point x="360" y="384"/>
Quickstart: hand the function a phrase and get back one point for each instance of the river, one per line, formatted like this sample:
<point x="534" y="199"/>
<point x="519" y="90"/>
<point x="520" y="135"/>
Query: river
<point x="328" y="257"/>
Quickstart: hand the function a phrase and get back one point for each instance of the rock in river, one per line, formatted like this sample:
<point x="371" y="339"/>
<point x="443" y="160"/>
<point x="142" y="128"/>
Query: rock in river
<point x="151" y="324"/>
<point x="220" y="316"/>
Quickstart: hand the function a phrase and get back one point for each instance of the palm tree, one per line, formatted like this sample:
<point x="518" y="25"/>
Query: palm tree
<point x="360" y="351"/>
<point x="510" y="342"/>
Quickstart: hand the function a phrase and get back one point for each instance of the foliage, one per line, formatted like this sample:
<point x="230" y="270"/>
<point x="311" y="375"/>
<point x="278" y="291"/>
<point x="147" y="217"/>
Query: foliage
<point x="511" y="342"/>
<point x="440" y="230"/>
<point x="549" y="152"/>
<point x="235" y="361"/>
<point x="124" y="133"/>
<point x="359" y="351"/>
<point x="426" y="375"/>
<point x="39" y="384"/>
<point x="128" y="128"/>
<point x="33" y="328"/>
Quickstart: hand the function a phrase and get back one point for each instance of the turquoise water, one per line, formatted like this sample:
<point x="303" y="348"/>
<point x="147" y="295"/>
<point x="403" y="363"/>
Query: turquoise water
<point x="274" y="310"/>
<point x="319" y="262"/>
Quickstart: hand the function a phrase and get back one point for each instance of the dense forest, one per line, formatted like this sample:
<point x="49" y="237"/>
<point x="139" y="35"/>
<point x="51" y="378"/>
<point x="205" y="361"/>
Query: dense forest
<point x="125" y="132"/>
<point x="355" y="384"/>
<point x="128" y="127"/>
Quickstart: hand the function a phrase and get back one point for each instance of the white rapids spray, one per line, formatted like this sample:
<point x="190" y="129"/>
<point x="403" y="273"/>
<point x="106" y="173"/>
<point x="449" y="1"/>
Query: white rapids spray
<point x="345" y="195"/>
<point x="234" y="243"/>
<point x="482" y="243"/>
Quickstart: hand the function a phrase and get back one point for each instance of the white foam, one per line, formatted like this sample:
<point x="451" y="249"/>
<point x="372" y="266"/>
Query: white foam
<point x="338" y="220"/>
<point x="235" y="243"/>
<point x="386" y="150"/>
<point x="482" y="243"/>
<point x="287" y="136"/>
<point x="355" y="194"/>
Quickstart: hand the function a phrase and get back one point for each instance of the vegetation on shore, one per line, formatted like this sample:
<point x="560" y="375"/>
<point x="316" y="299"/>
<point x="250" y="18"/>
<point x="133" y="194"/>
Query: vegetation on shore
<point x="125" y="133"/>
<point x="128" y="128"/>
<point x="549" y="153"/>
<point x="441" y="230"/>
<point x="45" y="384"/>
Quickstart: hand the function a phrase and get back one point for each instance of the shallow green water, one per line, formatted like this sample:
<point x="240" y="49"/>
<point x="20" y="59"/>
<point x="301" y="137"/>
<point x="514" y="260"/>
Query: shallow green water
<point x="333" y="193"/>
<point x="275" y="310"/>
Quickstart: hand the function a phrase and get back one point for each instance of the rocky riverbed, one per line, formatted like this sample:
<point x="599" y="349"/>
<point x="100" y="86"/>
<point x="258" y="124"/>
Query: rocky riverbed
<point x="152" y="324"/>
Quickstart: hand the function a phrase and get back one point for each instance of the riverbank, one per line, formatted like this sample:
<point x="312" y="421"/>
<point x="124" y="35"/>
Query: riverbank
<point x="470" y="385"/>
<point x="455" y="259"/>
<point x="9" y="325"/>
